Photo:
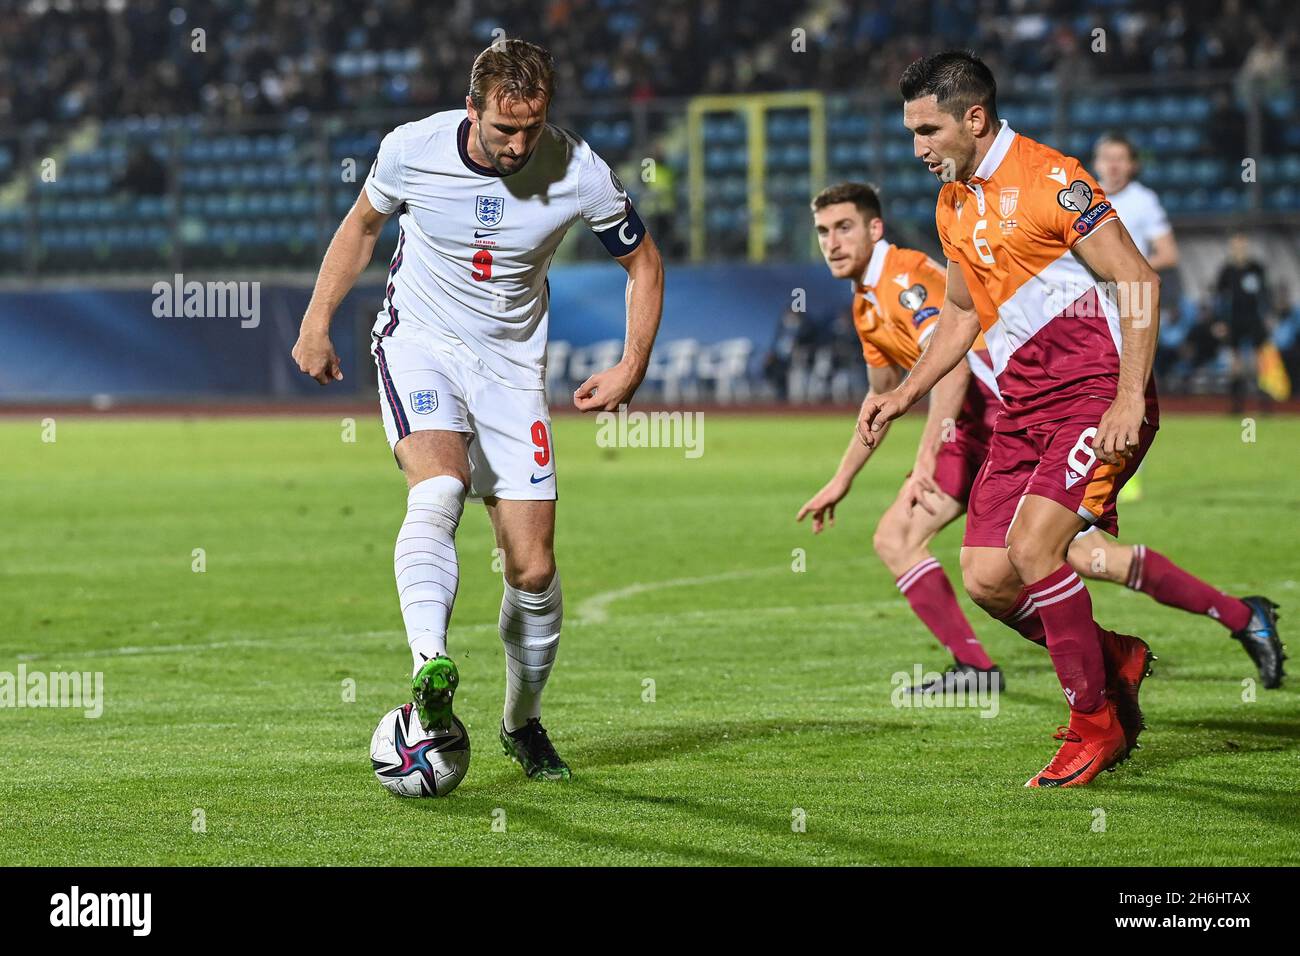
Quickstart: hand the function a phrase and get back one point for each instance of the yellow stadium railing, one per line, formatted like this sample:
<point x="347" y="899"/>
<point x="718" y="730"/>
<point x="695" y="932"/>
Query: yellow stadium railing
<point x="754" y="107"/>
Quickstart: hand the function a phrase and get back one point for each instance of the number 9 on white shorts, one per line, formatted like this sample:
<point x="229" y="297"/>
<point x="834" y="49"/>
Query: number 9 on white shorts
<point x="511" y="454"/>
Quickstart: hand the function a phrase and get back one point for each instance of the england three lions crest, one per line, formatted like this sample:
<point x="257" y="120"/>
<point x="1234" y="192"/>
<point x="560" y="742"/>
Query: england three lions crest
<point x="489" y="209"/>
<point x="424" y="402"/>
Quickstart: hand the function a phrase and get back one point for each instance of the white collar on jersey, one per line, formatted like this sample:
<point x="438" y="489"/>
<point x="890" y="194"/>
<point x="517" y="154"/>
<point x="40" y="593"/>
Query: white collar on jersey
<point x="876" y="265"/>
<point x="997" y="152"/>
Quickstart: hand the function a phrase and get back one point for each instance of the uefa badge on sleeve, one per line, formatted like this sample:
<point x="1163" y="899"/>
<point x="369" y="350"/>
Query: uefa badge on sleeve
<point x="1076" y="197"/>
<point x="913" y="297"/>
<point x="424" y="402"/>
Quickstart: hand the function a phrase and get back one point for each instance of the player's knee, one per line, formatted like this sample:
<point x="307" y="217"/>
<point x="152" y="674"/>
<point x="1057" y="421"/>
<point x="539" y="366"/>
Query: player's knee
<point x="533" y="574"/>
<point x="1027" y="554"/>
<point x="982" y="591"/>
<point x="431" y="454"/>
<point x="988" y="586"/>
<point x="888" y="539"/>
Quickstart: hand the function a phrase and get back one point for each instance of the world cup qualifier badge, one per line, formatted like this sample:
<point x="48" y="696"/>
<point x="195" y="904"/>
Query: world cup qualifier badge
<point x="1077" y="197"/>
<point x="489" y="209"/>
<point x="424" y="402"/>
<point x="913" y="297"/>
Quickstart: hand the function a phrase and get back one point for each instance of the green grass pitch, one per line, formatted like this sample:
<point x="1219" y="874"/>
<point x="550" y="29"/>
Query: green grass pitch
<point x="225" y="690"/>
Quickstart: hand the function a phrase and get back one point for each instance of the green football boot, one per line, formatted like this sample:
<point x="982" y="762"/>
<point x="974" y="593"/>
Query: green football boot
<point x="432" y="688"/>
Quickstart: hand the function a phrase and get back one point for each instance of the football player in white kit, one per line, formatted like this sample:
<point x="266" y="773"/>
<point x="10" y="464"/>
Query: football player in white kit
<point x="1115" y="162"/>
<point x="485" y="195"/>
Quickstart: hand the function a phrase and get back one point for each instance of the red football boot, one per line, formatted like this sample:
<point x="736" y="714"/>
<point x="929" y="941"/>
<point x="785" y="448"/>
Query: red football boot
<point x="1128" y="663"/>
<point x="1093" y="742"/>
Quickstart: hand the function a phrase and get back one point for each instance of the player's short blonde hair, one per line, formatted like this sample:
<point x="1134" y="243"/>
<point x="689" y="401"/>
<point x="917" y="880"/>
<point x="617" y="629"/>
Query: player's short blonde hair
<point x="511" y="70"/>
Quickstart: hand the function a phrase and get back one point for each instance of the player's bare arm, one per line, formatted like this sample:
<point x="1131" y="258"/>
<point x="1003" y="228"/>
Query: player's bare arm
<point x="346" y="258"/>
<point x="945" y="405"/>
<point x="1111" y="255"/>
<point x="954" y="333"/>
<point x="607" y="390"/>
<point x="822" y="505"/>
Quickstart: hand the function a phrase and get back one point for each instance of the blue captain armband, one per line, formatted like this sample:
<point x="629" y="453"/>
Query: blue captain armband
<point x="623" y="237"/>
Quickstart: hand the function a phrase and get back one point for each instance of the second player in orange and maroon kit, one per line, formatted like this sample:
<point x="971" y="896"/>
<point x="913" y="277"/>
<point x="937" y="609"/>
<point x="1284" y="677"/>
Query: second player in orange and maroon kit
<point x="896" y="298"/>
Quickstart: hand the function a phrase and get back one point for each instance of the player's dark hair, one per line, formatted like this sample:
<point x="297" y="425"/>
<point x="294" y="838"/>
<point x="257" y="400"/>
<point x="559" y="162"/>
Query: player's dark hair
<point x="862" y="195"/>
<point x="1119" y="139"/>
<point x="511" y="70"/>
<point x="957" y="79"/>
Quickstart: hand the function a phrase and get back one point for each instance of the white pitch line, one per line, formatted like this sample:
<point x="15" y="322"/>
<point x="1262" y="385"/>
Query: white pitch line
<point x="595" y="610"/>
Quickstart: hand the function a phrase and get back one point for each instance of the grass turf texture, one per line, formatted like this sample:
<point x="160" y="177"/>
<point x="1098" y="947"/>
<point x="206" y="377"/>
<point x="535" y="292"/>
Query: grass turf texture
<point x="225" y="690"/>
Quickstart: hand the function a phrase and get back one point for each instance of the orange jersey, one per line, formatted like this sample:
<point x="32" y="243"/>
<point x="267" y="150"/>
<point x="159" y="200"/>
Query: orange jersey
<point x="896" y="306"/>
<point x="1053" y="335"/>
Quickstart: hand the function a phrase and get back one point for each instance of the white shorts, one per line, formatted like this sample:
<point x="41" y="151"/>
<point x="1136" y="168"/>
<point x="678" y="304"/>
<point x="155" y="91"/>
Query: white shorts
<point x="422" y="388"/>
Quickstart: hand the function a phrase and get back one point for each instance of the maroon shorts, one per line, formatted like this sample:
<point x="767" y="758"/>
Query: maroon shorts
<point x="960" y="458"/>
<point x="1052" y="460"/>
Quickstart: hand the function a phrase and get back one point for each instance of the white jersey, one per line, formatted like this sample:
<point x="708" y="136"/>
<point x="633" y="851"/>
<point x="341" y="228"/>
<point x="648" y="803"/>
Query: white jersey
<point x="1140" y="210"/>
<point x="474" y="246"/>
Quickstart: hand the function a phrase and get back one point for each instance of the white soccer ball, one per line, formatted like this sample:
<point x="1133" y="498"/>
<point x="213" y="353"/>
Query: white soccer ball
<point x="412" y="763"/>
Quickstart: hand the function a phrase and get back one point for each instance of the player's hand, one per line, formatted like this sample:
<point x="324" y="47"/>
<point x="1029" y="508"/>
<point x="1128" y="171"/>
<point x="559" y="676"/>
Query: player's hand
<point x="822" y="505"/>
<point x="606" y="391"/>
<point x="877" y="412"/>
<point x="920" y="483"/>
<point x="1120" y="431"/>
<point x="315" y="355"/>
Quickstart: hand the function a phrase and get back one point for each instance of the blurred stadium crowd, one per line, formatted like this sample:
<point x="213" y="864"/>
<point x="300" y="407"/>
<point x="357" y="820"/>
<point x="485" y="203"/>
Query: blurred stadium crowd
<point x="74" y="58"/>
<point x="121" y="59"/>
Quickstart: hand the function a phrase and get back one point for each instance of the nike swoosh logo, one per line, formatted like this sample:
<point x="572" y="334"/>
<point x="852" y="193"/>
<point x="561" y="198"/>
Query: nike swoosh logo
<point x="535" y="480"/>
<point x="1059" y="781"/>
<point x="480" y="235"/>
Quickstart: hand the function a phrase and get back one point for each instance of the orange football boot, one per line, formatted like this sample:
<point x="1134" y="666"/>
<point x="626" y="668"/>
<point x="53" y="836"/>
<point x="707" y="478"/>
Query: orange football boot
<point x="1093" y="742"/>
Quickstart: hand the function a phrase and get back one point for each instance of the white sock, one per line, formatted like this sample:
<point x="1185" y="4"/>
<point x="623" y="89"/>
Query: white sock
<point x="530" y="631"/>
<point x="425" y="564"/>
